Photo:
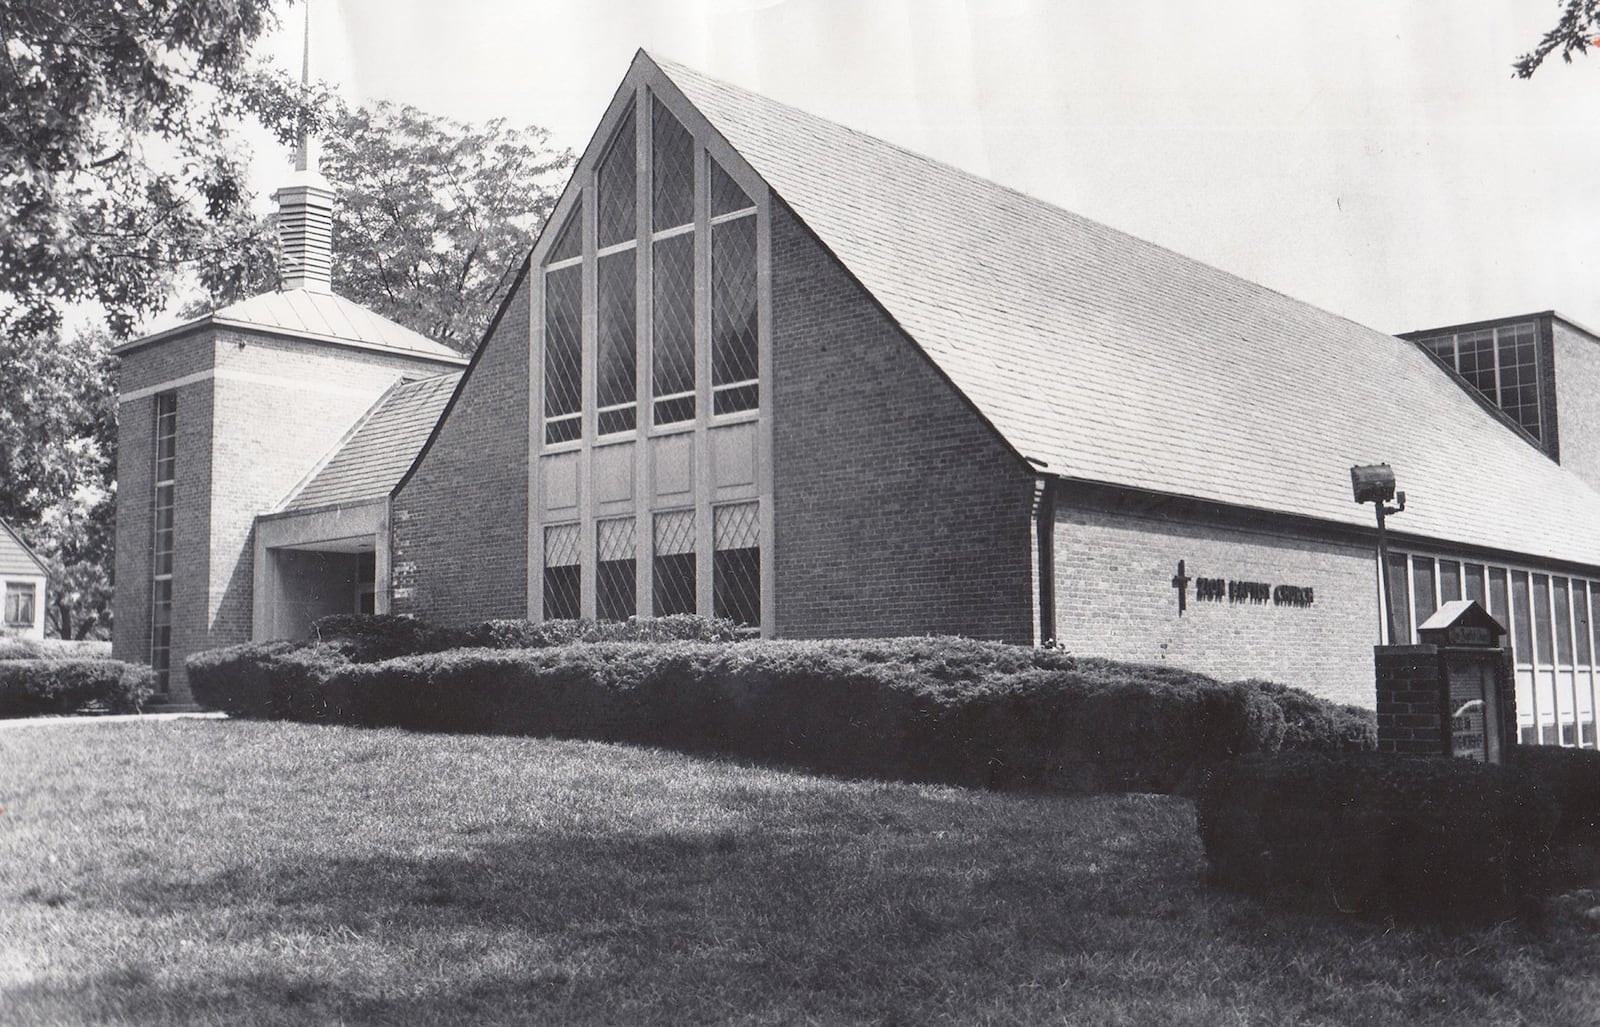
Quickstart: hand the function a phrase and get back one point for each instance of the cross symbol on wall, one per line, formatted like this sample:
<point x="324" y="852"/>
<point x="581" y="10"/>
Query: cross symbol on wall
<point x="1181" y="583"/>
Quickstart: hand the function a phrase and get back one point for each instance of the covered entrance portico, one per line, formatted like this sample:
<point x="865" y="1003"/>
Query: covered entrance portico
<point x="313" y="563"/>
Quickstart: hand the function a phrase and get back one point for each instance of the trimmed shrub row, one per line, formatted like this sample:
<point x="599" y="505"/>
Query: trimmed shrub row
<point x="369" y="638"/>
<point x="13" y="647"/>
<point x="32" y="687"/>
<point x="1420" y="838"/>
<point x="933" y="709"/>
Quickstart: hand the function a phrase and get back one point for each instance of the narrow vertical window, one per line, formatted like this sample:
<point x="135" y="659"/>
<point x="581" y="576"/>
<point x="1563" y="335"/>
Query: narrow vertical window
<point x="672" y="162"/>
<point x="736" y="563"/>
<point x="1449" y="581"/>
<point x="563" y="346"/>
<point x="1522" y="614"/>
<point x="562" y="576"/>
<point x="618" y="403"/>
<point x="615" y="573"/>
<point x="672" y="368"/>
<point x="615" y="184"/>
<point x="1398" y="589"/>
<point x="1425" y="599"/>
<point x="1541" y="618"/>
<point x="163" y="538"/>
<point x="734" y="353"/>
<point x="674" y="568"/>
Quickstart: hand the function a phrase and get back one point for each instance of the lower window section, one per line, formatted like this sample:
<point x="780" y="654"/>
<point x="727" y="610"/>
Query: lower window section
<point x="674" y="584"/>
<point x="561" y="592"/>
<point x="614" y="590"/>
<point x="736" y="585"/>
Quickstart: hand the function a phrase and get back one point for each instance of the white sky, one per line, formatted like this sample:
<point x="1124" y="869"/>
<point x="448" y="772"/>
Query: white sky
<point x="1374" y="157"/>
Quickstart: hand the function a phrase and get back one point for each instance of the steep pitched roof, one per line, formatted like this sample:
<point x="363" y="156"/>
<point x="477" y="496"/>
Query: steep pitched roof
<point x="16" y="556"/>
<point x="1110" y="359"/>
<point x="367" y="463"/>
<point x="305" y="314"/>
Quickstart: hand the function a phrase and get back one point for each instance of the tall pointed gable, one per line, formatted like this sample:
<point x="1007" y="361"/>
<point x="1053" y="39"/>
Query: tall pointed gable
<point x="1105" y="358"/>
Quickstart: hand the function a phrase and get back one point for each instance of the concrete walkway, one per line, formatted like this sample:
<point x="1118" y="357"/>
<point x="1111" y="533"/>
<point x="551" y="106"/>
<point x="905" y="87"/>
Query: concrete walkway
<point x="109" y="718"/>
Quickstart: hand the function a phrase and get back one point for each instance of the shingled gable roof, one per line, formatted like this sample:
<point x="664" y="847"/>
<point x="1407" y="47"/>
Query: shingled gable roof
<point x="16" y="556"/>
<point x="1109" y="359"/>
<point x="304" y="314"/>
<point x="367" y="463"/>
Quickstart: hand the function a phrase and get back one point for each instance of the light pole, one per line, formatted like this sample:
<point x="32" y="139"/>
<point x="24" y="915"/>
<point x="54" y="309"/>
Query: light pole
<point x="1374" y="483"/>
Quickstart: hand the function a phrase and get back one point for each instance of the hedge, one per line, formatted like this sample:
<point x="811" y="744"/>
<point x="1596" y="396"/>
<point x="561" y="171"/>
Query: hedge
<point x="1420" y="838"/>
<point x="15" y="647"/>
<point x="1312" y="724"/>
<point x="932" y="709"/>
<point x="32" y="687"/>
<point x="369" y="638"/>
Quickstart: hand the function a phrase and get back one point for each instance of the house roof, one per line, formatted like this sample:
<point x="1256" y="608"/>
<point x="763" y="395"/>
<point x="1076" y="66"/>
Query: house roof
<point x="368" y="462"/>
<point x="16" y="556"/>
<point x="305" y="314"/>
<point x="1109" y="359"/>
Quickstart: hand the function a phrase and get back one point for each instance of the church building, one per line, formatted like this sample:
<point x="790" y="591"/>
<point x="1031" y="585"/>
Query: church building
<point x="762" y="366"/>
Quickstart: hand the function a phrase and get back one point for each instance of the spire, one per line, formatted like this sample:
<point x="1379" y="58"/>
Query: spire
<point x="305" y="206"/>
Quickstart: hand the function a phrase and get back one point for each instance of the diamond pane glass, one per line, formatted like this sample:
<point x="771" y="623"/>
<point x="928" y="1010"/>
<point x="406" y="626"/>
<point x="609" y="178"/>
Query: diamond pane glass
<point x="672" y="170"/>
<point x="733" y="302"/>
<point x="561" y="592"/>
<point x="736" y="585"/>
<point x="570" y="242"/>
<point x="563" y="343"/>
<point x="674" y="531"/>
<point x="674" y="585"/>
<point x="614" y="539"/>
<point x="617" y="337"/>
<point x="614" y="590"/>
<point x="616" y="178"/>
<point x="726" y="196"/>
<point x="736" y="526"/>
<point x="673" y="288"/>
<point x="561" y="545"/>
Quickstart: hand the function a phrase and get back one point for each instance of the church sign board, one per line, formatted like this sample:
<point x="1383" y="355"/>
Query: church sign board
<point x="1238" y="591"/>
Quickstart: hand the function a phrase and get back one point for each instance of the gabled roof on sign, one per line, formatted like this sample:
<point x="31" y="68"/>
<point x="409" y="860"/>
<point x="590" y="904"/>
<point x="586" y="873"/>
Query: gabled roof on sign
<point x="369" y="460"/>
<point x="1106" y="358"/>
<point x="322" y="316"/>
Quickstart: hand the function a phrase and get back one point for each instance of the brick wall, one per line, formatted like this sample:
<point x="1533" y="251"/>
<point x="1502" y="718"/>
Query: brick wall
<point x="460" y="524"/>
<point x="1115" y="562"/>
<point x="897" y="510"/>
<point x="1577" y="383"/>
<point x="246" y="436"/>
<point x="1409" y="680"/>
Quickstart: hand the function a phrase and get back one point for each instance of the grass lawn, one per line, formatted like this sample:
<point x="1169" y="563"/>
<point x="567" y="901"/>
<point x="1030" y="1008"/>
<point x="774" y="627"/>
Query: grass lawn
<point x="226" y="872"/>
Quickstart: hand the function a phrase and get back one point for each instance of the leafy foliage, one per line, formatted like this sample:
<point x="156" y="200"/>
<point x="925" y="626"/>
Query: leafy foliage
<point x="1421" y="838"/>
<point x="1576" y="32"/>
<point x="927" y="709"/>
<point x="115" y="146"/>
<point x="32" y="687"/>
<point x="58" y="436"/>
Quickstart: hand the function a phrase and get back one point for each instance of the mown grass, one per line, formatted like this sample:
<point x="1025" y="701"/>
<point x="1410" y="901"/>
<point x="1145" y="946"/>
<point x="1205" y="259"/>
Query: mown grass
<point x="264" y="873"/>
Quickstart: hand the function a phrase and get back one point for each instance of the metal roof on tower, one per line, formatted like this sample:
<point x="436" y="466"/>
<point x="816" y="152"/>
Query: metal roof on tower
<point x="1109" y="359"/>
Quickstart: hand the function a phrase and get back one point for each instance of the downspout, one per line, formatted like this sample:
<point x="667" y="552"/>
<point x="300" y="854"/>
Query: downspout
<point x="1042" y="544"/>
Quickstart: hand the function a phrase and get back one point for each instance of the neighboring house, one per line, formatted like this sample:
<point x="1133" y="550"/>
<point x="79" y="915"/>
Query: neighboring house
<point x="24" y="582"/>
<point x="763" y="366"/>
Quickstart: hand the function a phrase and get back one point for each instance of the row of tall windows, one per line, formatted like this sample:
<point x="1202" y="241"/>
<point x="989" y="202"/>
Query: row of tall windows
<point x="735" y="566"/>
<point x="161" y="549"/>
<point x="1501" y="363"/>
<point x="666" y="241"/>
<point x="1553" y="625"/>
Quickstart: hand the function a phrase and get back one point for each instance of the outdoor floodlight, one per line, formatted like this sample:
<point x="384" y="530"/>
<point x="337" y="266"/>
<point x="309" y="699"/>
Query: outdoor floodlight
<point x="1373" y="483"/>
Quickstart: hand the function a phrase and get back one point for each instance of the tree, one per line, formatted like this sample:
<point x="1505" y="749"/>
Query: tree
<point x="434" y="215"/>
<point x="1576" y="32"/>
<point x="116" y="149"/>
<point x="58" y="436"/>
<point x="432" y="219"/>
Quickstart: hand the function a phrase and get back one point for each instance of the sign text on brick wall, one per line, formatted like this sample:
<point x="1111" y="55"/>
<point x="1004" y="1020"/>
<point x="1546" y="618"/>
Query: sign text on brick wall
<point x="1234" y="590"/>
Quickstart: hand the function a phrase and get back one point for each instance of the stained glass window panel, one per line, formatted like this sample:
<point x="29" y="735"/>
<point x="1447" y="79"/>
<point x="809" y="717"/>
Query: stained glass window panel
<point x="569" y="243"/>
<point x="733" y="302"/>
<point x="563" y="354"/>
<point x="617" y="341"/>
<point x="672" y="372"/>
<point x="672" y="170"/>
<point x="726" y="196"/>
<point x="674" y="566"/>
<point x="616" y="187"/>
<point x="736" y="564"/>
